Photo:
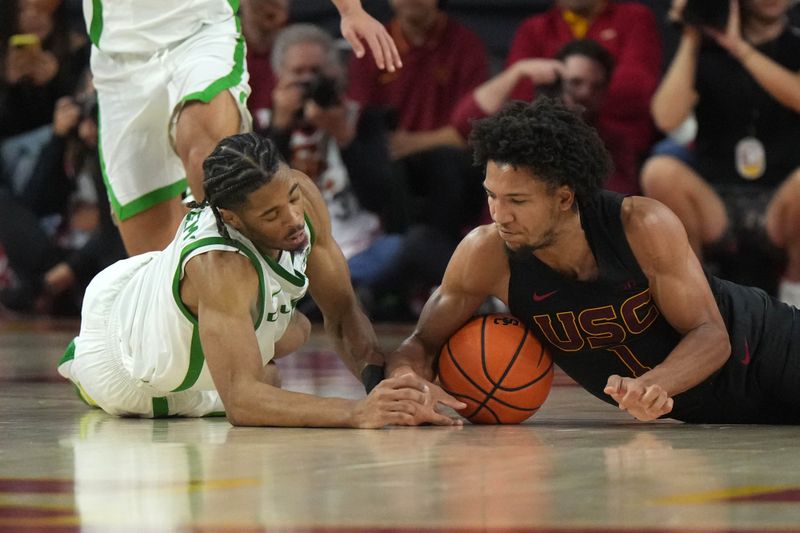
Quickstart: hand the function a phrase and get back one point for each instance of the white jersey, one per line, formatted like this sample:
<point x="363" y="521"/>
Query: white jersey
<point x="158" y="336"/>
<point x="146" y="26"/>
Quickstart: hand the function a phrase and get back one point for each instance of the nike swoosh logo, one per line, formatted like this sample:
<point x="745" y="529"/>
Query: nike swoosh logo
<point x="746" y="359"/>
<point x="540" y="297"/>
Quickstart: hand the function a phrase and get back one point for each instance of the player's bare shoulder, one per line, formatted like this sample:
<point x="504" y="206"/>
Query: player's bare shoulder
<point x="654" y="232"/>
<point x="480" y="261"/>
<point x="485" y="241"/>
<point x="220" y="276"/>
<point x="646" y="215"/>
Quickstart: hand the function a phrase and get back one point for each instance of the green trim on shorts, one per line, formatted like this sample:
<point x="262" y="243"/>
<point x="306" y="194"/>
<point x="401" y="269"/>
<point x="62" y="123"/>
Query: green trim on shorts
<point x="234" y="5"/>
<point x="232" y="79"/>
<point x="196" y="355"/>
<point x="213" y="414"/>
<point x="96" y="26"/>
<point x="143" y="203"/>
<point x="69" y="354"/>
<point x="160" y="407"/>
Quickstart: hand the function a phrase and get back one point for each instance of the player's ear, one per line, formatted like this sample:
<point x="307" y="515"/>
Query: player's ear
<point x="566" y="197"/>
<point x="231" y="218"/>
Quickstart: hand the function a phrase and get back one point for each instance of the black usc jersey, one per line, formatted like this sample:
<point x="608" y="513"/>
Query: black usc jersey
<point x="611" y="325"/>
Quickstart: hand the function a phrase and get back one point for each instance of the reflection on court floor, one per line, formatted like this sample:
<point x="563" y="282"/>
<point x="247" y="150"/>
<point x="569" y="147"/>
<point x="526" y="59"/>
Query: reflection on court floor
<point x="578" y="465"/>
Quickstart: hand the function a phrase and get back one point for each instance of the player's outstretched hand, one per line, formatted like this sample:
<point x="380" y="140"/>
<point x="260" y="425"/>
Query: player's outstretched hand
<point x="644" y="402"/>
<point x="405" y="400"/>
<point x="357" y="26"/>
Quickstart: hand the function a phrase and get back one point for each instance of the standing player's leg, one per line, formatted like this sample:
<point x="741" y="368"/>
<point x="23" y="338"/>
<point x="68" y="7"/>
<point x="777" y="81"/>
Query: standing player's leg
<point x="144" y="179"/>
<point x="199" y="128"/>
<point x="152" y="229"/>
<point x="208" y="92"/>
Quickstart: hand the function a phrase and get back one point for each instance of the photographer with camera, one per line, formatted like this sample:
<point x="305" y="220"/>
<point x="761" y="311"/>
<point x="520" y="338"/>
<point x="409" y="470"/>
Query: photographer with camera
<point x="740" y="78"/>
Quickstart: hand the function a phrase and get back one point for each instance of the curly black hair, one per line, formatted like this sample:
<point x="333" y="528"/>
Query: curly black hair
<point x="549" y="139"/>
<point x="239" y="165"/>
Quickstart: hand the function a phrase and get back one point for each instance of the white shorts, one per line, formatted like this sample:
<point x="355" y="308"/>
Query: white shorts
<point x="140" y="97"/>
<point x="93" y="361"/>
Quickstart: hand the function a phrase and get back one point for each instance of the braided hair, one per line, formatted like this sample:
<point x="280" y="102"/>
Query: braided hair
<point x="239" y="165"/>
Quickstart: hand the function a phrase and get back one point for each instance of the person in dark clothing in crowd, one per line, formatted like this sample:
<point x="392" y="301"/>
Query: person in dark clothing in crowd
<point x="58" y="232"/>
<point x="742" y="194"/>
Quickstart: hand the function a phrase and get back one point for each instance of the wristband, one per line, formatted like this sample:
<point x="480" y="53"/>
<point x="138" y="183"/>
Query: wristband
<point x="371" y="376"/>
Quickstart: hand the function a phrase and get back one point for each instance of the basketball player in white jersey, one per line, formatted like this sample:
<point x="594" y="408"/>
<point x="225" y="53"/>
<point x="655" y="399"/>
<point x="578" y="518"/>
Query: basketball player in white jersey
<point x="192" y="330"/>
<point x="171" y="82"/>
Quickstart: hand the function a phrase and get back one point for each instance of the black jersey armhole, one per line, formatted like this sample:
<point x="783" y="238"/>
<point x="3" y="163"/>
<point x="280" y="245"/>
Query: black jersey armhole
<point x="603" y="220"/>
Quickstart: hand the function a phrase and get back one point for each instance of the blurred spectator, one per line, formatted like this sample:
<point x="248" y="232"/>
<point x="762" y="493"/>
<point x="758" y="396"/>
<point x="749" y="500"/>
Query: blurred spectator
<point x="743" y="193"/>
<point x="41" y="62"/>
<point x="579" y="74"/>
<point x="58" y="233"/>
<point x="442" y="61"/>
<point x="40" y="68"/>
<point x="261" y="22"/>
<point x="628" y="30"/>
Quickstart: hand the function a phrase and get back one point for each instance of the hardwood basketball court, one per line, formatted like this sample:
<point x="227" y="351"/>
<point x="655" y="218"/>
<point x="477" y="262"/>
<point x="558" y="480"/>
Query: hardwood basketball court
<point x="578" y="465"/>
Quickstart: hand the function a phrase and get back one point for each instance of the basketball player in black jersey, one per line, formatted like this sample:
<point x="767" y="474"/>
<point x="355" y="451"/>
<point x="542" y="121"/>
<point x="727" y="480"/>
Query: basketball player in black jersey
<point x="609" y="284"/>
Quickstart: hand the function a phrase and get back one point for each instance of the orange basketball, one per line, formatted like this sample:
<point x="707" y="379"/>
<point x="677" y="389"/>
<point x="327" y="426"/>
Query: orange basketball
<point x="495" y="366"/>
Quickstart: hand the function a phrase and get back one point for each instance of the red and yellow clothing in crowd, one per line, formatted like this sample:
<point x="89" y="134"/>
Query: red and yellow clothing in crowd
<point x="629" y="31"/>
<point x="435" y="75"/>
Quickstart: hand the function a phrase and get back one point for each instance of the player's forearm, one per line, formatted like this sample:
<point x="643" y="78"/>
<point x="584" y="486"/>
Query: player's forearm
<point x="354" y="339"/>
<point x="259" y="404"/>
<point x="411" y="355"/>
<point x="699" y="354"/>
